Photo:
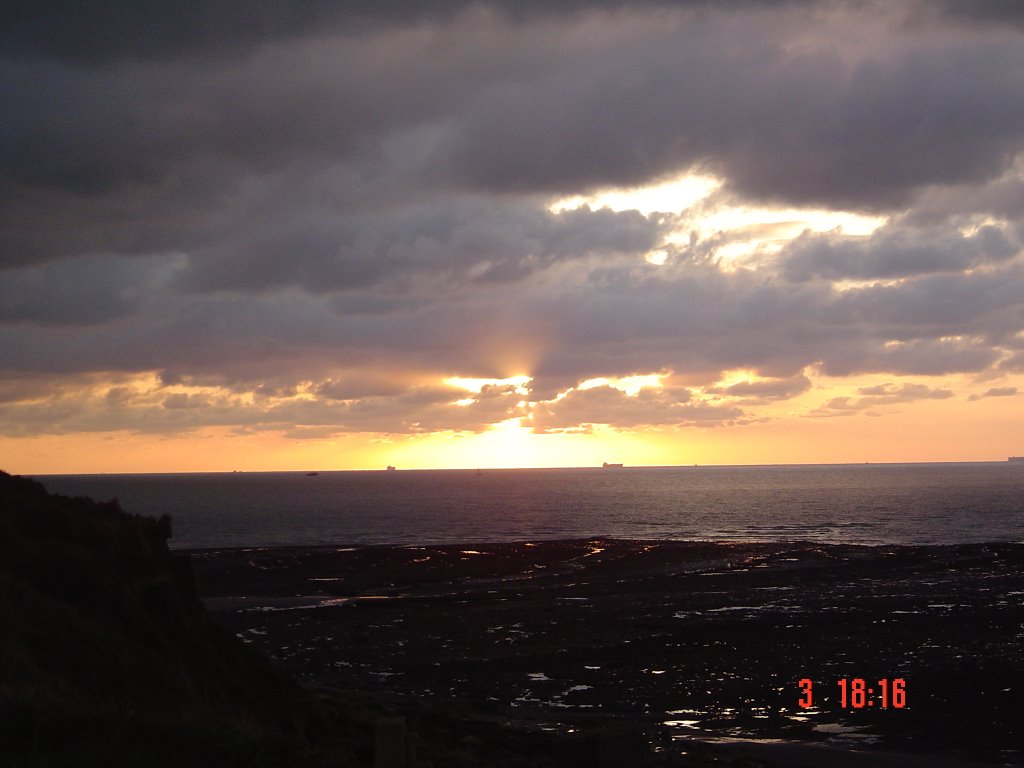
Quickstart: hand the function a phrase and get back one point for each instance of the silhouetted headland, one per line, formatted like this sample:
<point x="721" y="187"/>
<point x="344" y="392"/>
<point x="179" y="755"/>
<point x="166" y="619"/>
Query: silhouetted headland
<point x="110" y="658"/>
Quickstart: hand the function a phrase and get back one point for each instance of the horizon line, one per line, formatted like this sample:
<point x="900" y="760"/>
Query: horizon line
<point x="308" y="470"/>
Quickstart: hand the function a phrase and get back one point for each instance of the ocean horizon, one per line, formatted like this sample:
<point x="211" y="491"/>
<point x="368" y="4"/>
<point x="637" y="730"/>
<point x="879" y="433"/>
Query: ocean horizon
<point x="906" y="503"/>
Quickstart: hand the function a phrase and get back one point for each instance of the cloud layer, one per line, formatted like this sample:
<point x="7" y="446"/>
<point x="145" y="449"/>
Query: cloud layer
<point x="305" y="218"/>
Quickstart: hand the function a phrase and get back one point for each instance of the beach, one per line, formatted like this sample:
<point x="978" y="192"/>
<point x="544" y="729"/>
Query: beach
<point x="683" y="650"/>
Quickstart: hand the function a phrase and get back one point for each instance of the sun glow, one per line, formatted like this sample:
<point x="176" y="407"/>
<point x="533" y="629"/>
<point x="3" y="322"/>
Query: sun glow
<point x="657" y="257"/>
<point x="477" y="385"/>
<point x="508" y="444"/>
<point x="737" y="376"/>
<point x="667" y="197"/>
<point x="631" y="385"/>
<point x="748" y="234"/>
<point x="751" y="236"/>
<point x="836" y="420"/>
<point x="787" y="223"/>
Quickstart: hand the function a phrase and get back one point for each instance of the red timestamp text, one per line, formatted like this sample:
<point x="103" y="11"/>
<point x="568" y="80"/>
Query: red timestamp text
<point x="858" y="693"/>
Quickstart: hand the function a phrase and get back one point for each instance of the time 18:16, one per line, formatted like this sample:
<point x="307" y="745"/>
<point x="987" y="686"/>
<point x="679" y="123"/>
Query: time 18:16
<point x="856" y="693"/>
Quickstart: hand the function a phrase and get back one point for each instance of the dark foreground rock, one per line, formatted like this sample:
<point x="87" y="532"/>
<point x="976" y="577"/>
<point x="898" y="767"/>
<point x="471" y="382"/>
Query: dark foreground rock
<point x="108" y="657"/>
<point x="695" y="649"/>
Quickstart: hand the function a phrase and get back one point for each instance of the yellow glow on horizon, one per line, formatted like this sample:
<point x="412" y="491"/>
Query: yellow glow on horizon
<point x="980" y="420"/>
<point x="926" y="430"/>
<point x="510" y="445"/>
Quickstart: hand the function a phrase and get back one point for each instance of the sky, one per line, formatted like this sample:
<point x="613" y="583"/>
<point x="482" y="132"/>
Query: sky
<point x="338" y="235"/>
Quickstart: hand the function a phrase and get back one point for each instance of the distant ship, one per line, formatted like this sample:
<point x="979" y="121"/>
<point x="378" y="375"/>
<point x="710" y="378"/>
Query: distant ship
<point x="606" y="465"/>
<point x="1016" y="459"/>
<point x="390" y="468"/>
<point x="312" y="474"/>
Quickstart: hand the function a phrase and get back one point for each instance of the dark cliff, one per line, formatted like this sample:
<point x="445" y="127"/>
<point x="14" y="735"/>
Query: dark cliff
<point x="107" y="656"/>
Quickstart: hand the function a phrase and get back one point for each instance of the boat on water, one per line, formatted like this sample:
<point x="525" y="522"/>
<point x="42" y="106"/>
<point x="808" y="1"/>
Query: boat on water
<point x="1015" y="459"/>
<point x="391" y="468"/>
<point x="312" y="474"/>
<point x="606" y="465"/>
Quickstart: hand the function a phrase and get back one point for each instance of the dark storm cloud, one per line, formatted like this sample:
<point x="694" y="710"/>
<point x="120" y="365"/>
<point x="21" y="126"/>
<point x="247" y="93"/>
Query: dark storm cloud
<point x="984" y="11"/>
<point x="893" y="252"/>
<point x="109" y="31"/>
<point x="804" y="127"/>
<point x="983" y="303"/>
<point x="83" y="291"/>
<point x="928" y="357"/>
<point x="693" y="319"/>
<point x="347" y="200"/>
<point x="100" y="33"/>
<point x="704" y="321"/>
<point x="697" y="321"/>
<point x="458" y="241"/>
<point x="615" y="322"/>
<point x="170" y="154"/>
<point x="964" y="205"/>
<point x="104" y="32"/>
<point x="287" y="338"/>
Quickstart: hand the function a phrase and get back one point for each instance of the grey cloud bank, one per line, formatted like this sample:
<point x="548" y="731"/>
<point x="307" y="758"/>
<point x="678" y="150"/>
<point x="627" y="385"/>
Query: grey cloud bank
<point x="355" y="203"/>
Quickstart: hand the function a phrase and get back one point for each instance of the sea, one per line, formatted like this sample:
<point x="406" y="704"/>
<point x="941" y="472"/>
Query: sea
<point x="859" y="504"/>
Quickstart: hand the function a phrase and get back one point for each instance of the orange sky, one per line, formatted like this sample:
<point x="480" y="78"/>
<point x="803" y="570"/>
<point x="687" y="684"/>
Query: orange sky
<point x="712" y="233"/>
<point x="986" y="429"/>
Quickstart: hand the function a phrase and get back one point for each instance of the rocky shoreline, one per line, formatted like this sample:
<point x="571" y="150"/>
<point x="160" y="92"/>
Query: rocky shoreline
<point x="682" y="653"/>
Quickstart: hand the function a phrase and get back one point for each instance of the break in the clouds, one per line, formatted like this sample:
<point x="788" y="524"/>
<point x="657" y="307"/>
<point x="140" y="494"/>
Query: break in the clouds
<point x="307" y="217"/>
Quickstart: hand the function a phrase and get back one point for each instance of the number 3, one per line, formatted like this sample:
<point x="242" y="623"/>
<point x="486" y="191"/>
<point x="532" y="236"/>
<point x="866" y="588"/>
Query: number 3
<point x="805" y="700"/>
